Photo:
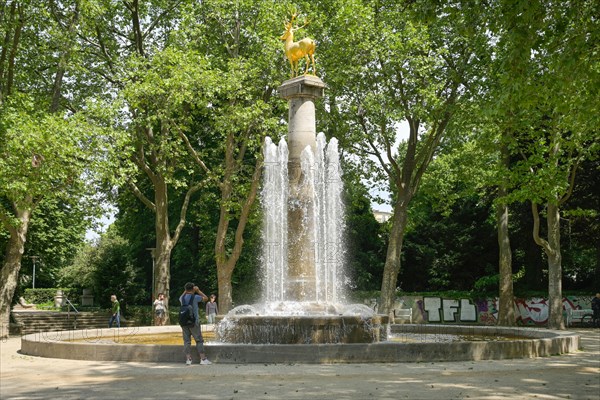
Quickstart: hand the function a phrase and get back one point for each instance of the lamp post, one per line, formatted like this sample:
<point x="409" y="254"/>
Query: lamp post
<point x="153" y="254"/>
<point x="34" y="258"/>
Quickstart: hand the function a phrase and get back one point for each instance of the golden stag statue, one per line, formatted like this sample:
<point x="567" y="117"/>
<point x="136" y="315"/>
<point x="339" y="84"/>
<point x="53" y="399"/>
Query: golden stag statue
<point x="294" y="51"/>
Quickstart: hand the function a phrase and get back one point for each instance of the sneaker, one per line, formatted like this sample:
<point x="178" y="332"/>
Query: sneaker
<point x="188" y="361"/>
<point x="205" y="362"/>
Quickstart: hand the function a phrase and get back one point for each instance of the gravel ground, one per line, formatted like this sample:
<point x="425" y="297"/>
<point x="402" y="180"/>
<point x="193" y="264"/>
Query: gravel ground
<point x="571" y="376"/>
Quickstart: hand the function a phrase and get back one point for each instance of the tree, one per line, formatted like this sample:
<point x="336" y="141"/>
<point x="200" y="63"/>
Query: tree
<point x="107" y="267"/>
<point x="164" y="89"/>
<point x="545" y="108"/>
<point x="198" y="81"/>
<point x="48" y="151"/>
<point x="242" y="45"/>
<point x="408" y="63"/>
<point x="56" y="230"/>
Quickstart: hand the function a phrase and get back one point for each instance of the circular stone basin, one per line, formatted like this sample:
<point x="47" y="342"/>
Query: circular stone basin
<point x="297" y="329"/>
<point x="111" y="345"/>
<point x="168" y="338"/>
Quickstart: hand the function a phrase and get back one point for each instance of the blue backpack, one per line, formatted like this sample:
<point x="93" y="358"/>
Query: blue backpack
<point x="187" y="316"/>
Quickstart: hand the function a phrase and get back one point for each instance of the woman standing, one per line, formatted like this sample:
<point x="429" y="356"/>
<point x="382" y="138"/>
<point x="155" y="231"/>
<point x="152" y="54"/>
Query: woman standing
<point x="212" y="309"/>
<point x="160" y="312"/>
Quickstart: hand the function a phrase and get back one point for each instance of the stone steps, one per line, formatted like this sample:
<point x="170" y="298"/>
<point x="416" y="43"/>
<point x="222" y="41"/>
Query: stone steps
<point x="32" y="321"/>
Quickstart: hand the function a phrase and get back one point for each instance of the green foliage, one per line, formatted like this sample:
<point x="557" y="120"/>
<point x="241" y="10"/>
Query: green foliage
<point x="365" y="238"/>
<point x="46" y="295"/>
<point x="80" y="273"/>
<point x="443" y="252"/>
<point x="44" y="154"/>
<point x="525" y="76"/>
<point x="107" y="268"/>
<point x="56" y="232"/>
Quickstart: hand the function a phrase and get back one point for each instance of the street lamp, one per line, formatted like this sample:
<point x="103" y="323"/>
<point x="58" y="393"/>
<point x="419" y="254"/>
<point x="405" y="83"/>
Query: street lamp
<point x="34" y="258"/>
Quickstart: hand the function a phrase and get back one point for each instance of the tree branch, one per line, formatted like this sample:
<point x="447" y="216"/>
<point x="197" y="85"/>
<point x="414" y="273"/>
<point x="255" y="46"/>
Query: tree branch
<point x="141" y="196"/>
<point x="239" y="232"/>
<point x="140" y="161"/>
<point x="572" y="174"/>
<point x="372" y="145"/>
<point x="536" y="230"/>
<point x="174" y="6"/>
<point x="191" y="150"/>
<point x="183" y="214"/>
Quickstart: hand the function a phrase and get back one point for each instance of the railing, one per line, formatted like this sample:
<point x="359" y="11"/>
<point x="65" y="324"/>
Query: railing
<point x="69" y="306"/>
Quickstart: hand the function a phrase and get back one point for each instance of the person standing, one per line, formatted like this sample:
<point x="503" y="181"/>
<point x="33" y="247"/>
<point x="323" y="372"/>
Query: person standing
<point x="116" y="312"/>
<point x="596" y="310"/>
<point x="212" y="309"/>
<point x="160" y="312"/>
<point x="192" y="295"/>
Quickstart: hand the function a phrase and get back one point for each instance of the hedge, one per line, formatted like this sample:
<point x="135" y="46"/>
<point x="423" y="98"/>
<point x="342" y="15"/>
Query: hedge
<point x="46" y="295"/>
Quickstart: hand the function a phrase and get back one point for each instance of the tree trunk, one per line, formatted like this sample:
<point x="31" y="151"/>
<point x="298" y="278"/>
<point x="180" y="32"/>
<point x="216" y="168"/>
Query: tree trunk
<point x="555" y="317"/>
<point x="224" y="272"/>
<point x="164" y="244"/>
<point x="226" y="264"/>
<point x="392" y="260"/>
<point x="5" y="47"/>
<point x="12" y="265"/>
<point x="552" y="249"/>
<point x="506" y="311"/>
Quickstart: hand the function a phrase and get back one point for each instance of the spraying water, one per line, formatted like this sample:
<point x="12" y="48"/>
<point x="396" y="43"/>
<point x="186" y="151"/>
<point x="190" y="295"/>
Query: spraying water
<point x="303" y="257"/>
<point x="322" y="219"/>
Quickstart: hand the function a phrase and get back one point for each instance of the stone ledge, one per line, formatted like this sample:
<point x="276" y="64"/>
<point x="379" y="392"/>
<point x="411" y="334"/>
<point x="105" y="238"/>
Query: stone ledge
<point x="539" y="343"/>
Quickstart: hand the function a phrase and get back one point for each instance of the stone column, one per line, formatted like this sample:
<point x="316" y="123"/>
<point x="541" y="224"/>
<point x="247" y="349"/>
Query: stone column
<point x="301" y="92"/>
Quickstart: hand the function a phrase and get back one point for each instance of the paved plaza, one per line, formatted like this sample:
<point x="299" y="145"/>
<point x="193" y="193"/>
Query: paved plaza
<point x="571" y="376"/>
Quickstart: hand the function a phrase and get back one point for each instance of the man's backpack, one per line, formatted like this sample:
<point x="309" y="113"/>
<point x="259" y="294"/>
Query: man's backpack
<point x="186" y="313"/>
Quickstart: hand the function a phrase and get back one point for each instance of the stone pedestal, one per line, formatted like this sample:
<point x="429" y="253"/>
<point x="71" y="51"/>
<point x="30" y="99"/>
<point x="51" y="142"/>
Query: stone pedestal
<point x="301" y="92"/>
<point x="60" y="300"/>
<point x="87" y="298"/>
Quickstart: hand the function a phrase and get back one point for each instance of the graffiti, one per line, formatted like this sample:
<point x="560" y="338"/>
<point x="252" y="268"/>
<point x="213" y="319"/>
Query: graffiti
<point x="533" y="311"/>
<point x="449" y="310"/>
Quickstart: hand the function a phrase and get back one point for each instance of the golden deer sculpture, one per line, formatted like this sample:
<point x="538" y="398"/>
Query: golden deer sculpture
<point x="294" y="51"/>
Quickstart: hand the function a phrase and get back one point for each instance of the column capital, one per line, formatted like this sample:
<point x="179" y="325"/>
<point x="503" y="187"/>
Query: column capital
<point x="302" y="86"/>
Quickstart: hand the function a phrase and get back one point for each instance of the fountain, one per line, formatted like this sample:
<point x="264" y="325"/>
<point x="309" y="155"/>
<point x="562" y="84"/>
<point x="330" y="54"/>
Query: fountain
<point x="303" y="259"/>
<point x="303" y="316"/>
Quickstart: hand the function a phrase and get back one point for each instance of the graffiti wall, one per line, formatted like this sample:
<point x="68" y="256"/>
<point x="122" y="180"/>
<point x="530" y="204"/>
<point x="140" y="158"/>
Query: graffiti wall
<point x="533" y="311"/>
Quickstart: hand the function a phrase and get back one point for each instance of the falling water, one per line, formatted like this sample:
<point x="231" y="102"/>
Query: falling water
<point x="322" y="179"/>
<point x="303" y="257"/>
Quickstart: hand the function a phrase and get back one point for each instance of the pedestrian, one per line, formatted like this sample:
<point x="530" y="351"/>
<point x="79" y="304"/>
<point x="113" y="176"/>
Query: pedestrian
<point x="160" y="312"/>
<point x="596" y="310"/>
<point x="192" y="295"/>
<point x="212" y="309"/>
<point x="116" y="312"/>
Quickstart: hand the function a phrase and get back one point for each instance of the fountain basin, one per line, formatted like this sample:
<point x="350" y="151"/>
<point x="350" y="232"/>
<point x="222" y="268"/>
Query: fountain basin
<point x="300" y="329"/>
<point x="103" y="345"/>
